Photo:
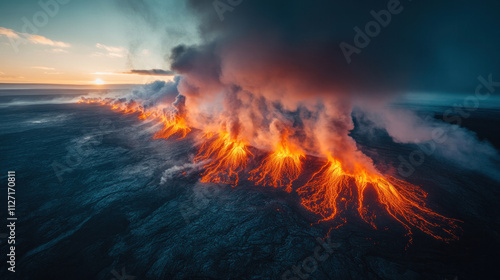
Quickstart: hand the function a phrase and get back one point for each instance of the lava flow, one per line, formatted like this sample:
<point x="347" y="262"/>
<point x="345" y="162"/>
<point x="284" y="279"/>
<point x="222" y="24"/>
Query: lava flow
<point x="321" y="192"/>
<point x="175" y="125"/>
<point x="228" y="157"/>
<point x="331" y="189"/>
<point x="406" y="203"/>
<point x="173" y="122"/>
<point x="281" y="167"/>
<point x="402" y="200"/>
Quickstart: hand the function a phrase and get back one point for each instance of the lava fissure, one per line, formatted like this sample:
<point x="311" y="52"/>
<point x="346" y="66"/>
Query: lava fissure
<point x="280" y="168"/>
<point x="228" y="157"/>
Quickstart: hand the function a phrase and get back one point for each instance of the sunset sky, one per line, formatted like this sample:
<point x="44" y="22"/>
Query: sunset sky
<point x="438" y="46"/>
<point x="60" y="43"/>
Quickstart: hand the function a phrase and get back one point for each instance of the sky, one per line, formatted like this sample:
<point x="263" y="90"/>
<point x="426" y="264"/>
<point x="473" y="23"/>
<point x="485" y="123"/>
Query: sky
<point x="426" y="46"/>
<point x="91" y="41"/>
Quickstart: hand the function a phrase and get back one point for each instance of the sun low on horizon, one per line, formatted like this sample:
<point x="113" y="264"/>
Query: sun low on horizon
<point x="99" y="82"/>
<point x="39" y="47"/>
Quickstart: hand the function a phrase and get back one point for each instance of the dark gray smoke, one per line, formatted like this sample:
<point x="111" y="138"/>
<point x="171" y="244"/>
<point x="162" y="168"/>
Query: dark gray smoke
<point x="440" y="45"/>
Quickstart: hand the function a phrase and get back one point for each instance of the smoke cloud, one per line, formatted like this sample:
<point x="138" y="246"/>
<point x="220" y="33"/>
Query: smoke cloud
<point x="271" y="69"/>
<point x="448" y="141"/>
<point x="156" y="93"/>
<point x="270" y="76"/>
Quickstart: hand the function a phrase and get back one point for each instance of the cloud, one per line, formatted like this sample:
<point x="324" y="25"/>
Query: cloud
<point x="43" y="68"/>
<point x="151" y="72"/>
<point x="110" y="48"/>
<point x="58" y="51"/>
<point x="8" y="33"/>
<point x="112" y="51"/>
<point x="449" y="141"/>
<point x="156" y="92"/>
<point x="106" y="73"/>
<point x="32" y="38"/>
<point x="401" y="58"/>
<point x="37" y="39"/>
<point x="147" y="72"/>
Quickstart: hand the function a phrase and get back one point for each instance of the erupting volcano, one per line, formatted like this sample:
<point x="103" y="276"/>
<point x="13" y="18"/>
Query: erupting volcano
<point x="172" y="120"/>
<point x="281" y="167"/>
<point x="402" y="200"/>
<point x="175" y="125"/>
<point x="330" y="190"/>
<point x="228" y="157"/>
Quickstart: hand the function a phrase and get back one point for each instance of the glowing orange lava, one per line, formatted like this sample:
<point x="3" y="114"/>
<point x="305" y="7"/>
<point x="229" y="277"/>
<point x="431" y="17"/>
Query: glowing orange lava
<point x="405" y="202"/>
<point x="321" y="192"/>
<point x="402" y="200"/>
<point x="173" y="124"/>
<point x="280" y="168"/>
<point x="228" y="157"/>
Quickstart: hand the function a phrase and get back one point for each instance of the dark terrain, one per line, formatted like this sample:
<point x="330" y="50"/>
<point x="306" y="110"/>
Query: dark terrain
<point x="126" y="205"/>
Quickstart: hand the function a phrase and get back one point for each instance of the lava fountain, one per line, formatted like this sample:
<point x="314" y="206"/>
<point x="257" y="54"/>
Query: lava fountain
<point x="174" y="125"/>
<point x="280" y="168"/>
<point x="403" y="201"/>
<point x="330" y="188"/>
<point x="173" y="122"/>
<point x="228" y="157"/>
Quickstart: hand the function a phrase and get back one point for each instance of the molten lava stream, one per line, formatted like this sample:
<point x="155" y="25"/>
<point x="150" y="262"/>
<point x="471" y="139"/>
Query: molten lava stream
<point x="321" y="192"/>
<point x="175" y="125"/>
<point x="172" y="125"/>
<point x="403" y="201"/>
<point x="227" y="156"/>
<point x="280" y="168"/>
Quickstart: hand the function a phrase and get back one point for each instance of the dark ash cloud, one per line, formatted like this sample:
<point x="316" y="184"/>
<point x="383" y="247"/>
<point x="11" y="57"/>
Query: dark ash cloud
<point x="150" y="72"/>
<point x="431" y="46"/>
